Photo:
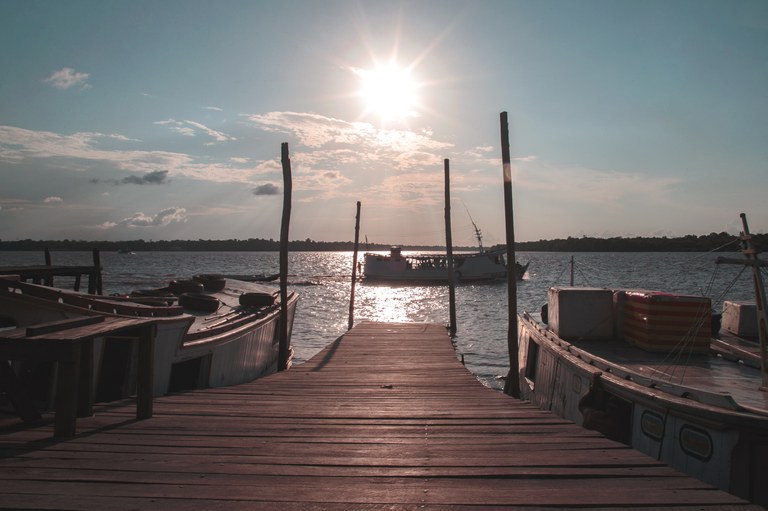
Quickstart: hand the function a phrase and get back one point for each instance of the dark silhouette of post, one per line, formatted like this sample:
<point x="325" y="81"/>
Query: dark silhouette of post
<point x="512" y="385"/>
<point x="354" y="270"/>
<point x="449" y="249"/>
<point x="95" y="285"/>
<point x="284" y="348"/>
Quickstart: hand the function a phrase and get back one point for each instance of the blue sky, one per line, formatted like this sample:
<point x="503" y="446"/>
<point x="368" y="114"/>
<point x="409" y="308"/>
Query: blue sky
<point x="163" y="119"/>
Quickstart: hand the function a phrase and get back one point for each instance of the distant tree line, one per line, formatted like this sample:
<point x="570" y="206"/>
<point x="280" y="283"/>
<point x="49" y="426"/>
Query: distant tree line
<point x="705" y="243"/>
<point x="722" y="241"/>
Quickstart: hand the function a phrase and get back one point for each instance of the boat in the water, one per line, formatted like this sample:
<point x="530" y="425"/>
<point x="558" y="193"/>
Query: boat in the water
<point x="481" y="266"/>
<point x="211" y="331"/>
<point x="654" y="371"/>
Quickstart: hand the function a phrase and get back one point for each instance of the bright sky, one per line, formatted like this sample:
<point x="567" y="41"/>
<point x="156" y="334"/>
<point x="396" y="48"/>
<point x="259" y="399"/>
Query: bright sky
<point x="163" y="119"/>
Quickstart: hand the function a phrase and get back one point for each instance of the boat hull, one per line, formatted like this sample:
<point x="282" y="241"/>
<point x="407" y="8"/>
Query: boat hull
<point x="396" y="267"/>
<point x="193" y="349"/>
<point x="692" y="433"/>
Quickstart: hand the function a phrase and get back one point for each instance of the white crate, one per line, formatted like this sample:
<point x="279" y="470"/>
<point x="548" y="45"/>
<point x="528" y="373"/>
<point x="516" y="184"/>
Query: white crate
<point x="581" y="312"/>
<point x="740" y="318"/>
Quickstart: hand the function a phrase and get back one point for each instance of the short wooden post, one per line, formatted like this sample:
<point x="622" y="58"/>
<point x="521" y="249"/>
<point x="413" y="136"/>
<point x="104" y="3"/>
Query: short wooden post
<point x="449" y="249"/>
<point x="146" y="371"/>
<point x="354" y="270"/>
<point x="512" y="385"/>
<point x="65" y="405"/>
<point x="94" y="279"/>
<point x="85" y="379"/>
<point x="284" y="348"/>
<point x="47" y="254"/>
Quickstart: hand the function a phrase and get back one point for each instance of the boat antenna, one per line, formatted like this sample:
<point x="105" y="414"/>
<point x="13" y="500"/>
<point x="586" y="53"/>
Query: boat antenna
<point x="478" y="233"/>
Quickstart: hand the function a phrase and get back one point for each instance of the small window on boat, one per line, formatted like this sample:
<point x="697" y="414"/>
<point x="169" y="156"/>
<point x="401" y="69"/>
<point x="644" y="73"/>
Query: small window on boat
<point x="531" y="360"/>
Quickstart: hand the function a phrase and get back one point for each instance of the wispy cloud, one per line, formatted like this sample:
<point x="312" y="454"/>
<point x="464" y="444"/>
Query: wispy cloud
<point x="315" y="130"/>
<point x="193" y="128"/>
<point x="356" y="140"/>
<point x="157" y="177"/>
<point x="266" y="189"/>
<point x="138" y="220"/>
<point x="18" y="145"/>
<point x="52" y="199"/>
<point x="66" y="78"/>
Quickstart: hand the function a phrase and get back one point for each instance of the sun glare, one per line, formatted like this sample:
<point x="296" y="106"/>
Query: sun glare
<point x="389" y="92"/>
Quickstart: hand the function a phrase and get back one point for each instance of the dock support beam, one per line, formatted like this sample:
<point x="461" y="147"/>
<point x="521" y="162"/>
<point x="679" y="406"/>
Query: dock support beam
<point x="284" y="348"/>
<point x="449" y="249"/>
<point x="354" y="270"/>
<point x="512" y="385"/>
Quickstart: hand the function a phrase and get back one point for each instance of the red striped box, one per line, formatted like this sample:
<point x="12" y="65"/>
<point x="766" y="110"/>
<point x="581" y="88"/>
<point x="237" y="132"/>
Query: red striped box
<point x="657" y="321"/>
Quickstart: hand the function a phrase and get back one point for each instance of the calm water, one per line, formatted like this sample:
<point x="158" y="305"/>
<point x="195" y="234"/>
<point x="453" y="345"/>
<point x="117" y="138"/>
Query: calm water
<point x="323" y="281"/>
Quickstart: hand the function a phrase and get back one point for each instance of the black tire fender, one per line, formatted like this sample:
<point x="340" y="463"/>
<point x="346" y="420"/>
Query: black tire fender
<point x="211" y="282"/>
<point x="257" y="299"/>
<point x="160" y="291"/>
<point x="178" y="287"/>
<point x="199" y="302"/>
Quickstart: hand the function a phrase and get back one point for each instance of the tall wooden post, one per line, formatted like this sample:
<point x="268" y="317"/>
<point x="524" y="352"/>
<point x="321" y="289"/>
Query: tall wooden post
<point x="284" y="348"/>
<point x="449" y="249"/>
<point x="354" y="270"/>
<point x="512" y="385"/>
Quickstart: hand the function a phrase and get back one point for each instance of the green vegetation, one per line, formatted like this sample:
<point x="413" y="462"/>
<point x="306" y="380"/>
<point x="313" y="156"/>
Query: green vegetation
<point x="714" y="241"/>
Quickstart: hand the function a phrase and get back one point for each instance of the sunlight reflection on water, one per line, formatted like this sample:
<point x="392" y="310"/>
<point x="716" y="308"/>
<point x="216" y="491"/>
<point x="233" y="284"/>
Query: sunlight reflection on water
<point x="323" y="279"/>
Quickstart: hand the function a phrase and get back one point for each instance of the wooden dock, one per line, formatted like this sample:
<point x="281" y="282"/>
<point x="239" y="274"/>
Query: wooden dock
<point x="385" y="417"/>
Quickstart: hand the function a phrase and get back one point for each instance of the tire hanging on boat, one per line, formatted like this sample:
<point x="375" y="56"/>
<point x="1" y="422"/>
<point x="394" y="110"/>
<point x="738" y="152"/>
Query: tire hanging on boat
<point x="257" y="299"/>
<point x="199" y="302"/>
<point x="178" y="287"/>
<point x="159" y="296"/>
<point x="211" y="282"/>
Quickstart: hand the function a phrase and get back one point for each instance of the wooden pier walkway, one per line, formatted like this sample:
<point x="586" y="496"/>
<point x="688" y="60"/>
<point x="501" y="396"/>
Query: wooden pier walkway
<point x="385" y="417"/>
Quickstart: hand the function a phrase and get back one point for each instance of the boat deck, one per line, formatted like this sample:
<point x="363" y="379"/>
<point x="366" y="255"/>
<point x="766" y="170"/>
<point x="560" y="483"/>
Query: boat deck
<point x="230" y="309"/>
<point x="709" y="373"/>
<point x="385" y="417"/>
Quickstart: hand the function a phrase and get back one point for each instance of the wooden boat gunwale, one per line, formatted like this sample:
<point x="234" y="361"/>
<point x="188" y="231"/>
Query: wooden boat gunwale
<point x="712" y="405"/>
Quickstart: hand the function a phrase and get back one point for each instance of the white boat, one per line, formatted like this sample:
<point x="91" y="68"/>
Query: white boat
<point x="211" y="333"/>
<point x="433" y="268"/>
<point x="642" y="368"/>
<point x="481" y="266"/>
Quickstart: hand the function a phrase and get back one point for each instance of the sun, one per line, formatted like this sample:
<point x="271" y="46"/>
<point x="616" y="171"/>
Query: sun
<point x="389" y="91"/>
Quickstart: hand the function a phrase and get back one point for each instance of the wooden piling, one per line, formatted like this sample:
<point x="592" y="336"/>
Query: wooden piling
<point x="95" y="285"/>
<point x="354" y="270"/>
<point x="512" y="385"/>
<point x="284" y="348"/>
<point x="47" y="254"/>
<point x="449" y="249"/>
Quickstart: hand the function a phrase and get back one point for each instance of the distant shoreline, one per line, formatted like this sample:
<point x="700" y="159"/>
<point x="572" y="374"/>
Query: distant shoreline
<point x="705" y="243"/>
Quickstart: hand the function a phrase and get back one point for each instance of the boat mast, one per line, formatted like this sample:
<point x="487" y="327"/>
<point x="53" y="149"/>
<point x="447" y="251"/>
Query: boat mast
<point x="750" y="252"/>
<point x="478" y="233"/>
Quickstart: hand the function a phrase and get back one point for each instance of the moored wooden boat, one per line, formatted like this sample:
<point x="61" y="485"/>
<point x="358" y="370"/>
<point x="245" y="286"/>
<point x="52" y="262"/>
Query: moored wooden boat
<point x="223" y="335"/>
<point x="642" y="367"/>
